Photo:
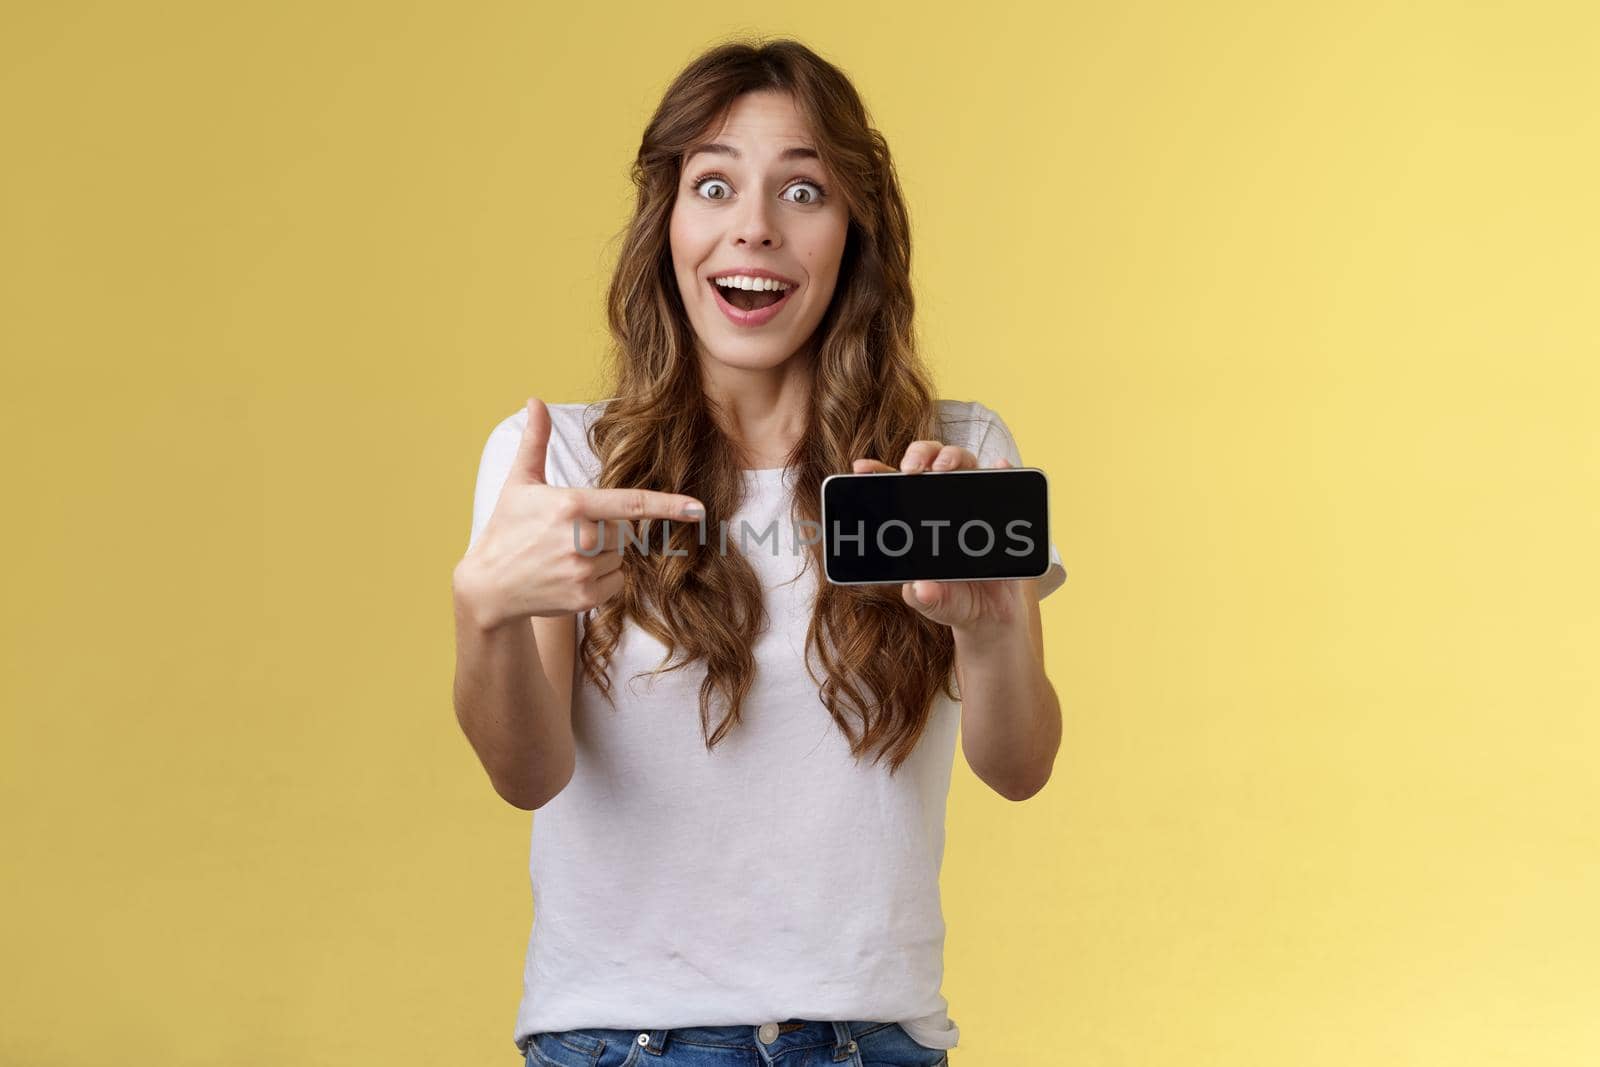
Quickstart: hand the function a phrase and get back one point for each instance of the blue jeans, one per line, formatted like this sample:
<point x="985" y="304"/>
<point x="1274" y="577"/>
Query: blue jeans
<point x="797" y="1043"/>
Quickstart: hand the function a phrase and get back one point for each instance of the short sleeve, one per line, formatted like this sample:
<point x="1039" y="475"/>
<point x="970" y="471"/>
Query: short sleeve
<point x="995" y="440"/>
<point x="494" y="467"/>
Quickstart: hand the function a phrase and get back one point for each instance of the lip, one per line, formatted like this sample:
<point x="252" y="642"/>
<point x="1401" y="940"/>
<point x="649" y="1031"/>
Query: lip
<point x="759" y="317"/>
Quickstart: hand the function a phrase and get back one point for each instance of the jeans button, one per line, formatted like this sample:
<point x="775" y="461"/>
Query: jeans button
<point x="768" y="1033"/>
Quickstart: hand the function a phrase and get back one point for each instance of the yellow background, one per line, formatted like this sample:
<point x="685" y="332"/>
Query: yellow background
<point x="1296" y="305"/>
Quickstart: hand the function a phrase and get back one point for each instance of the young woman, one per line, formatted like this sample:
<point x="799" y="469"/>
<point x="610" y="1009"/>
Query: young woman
<point x="740" y="770"/>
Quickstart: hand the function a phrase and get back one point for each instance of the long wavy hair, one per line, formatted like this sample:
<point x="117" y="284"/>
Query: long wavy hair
<point x="882" y="662"/>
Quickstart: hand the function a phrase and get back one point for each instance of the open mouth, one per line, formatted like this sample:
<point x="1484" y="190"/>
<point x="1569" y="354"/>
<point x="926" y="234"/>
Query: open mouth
<point x="750" y="299"/>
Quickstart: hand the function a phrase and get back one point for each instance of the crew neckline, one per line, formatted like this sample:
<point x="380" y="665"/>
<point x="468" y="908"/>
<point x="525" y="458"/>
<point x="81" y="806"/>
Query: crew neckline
<point x="768" y="477"/>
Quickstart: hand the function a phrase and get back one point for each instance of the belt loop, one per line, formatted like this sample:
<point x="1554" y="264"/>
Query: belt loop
<point x="844" y="1046"/>
<point x="658" y="1041"/>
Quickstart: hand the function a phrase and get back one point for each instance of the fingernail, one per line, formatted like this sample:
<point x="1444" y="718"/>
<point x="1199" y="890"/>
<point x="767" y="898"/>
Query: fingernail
<point x="694" y="511"/>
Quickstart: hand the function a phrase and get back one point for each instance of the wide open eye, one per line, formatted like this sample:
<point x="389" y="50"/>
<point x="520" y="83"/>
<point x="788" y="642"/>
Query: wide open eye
<point x="811" y="198"/>
<point x="708" y="180"/>
<point x="816" y="196"/>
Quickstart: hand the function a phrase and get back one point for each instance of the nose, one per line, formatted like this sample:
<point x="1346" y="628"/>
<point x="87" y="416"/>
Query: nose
<point x="754" y="225"/>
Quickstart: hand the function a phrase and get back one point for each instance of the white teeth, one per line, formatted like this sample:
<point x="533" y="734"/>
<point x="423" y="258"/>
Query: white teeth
<point x="744" y="281"/>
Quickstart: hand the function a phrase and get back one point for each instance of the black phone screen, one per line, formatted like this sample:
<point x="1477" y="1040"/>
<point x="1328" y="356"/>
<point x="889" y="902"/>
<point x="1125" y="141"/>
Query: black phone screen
<point x="965" y="525"/>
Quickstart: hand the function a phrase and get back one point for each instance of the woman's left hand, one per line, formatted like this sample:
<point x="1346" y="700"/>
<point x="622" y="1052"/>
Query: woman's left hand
<point x="966" y="606"/>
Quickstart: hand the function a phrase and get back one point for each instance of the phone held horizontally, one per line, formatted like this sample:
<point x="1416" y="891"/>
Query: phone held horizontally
<point x="965" y="525"/>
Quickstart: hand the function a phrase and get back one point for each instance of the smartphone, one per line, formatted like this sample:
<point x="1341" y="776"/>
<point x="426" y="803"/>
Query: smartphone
<point x="964" y="525"/>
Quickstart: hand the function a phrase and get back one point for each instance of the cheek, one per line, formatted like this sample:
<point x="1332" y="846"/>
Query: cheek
<point x="825" y="247"/>
<point x="685" y="256"/>
<point x="677" y="239"/>
<point x="822" y="261"/>
<point x="690" y="243"/>
<point x="680" y="228"/>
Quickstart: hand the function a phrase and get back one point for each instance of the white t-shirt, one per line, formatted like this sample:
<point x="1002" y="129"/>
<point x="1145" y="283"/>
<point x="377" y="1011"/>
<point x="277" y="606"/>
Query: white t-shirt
<point x="774" y="878"/>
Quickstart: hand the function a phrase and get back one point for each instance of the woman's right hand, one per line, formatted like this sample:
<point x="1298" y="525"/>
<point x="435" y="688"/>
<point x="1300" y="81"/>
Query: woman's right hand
<point x="528" y="560"/>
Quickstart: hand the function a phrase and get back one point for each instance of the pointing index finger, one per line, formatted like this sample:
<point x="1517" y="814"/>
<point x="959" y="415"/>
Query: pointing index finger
<point x="637" y="504"/>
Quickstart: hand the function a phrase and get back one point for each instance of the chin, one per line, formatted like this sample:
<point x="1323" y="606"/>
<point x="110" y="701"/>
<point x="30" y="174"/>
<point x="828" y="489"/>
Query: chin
<point x="751" y="355"/>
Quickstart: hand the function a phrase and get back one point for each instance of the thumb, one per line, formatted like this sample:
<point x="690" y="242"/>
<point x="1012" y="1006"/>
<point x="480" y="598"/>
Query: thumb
<point x="528" y="467"/>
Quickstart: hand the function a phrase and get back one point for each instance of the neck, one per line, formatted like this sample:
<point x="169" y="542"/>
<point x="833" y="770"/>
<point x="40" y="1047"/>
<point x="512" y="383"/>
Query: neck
<point x="763" y="411"/>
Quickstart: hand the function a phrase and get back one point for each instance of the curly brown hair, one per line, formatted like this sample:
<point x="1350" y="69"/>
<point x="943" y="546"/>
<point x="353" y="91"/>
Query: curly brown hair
<point x="883" y="663"/>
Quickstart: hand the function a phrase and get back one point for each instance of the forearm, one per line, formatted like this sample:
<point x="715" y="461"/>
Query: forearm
<point x="507" y="707"/>
<point x="1010" y="717"/>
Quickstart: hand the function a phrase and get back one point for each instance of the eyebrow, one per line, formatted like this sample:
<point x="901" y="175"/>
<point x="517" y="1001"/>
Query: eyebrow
<point x="728" y="150"/>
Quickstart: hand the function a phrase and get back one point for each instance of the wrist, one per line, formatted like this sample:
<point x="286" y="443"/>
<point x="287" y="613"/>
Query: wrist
<point x="988" y="634"/>
<point x="473" y="595"/>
